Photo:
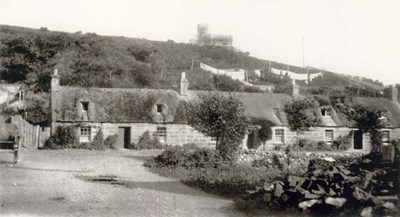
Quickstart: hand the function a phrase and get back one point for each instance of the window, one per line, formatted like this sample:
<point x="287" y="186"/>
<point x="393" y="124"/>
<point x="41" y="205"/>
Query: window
<point x="159" y="108"/>
<point x="385" y="137"/>
<point x="383" y="114"/>
<point x="276" y="112"/>
<point x="85" y="106"/>
<point x="162" y="134"/>
<point x="329" y="137"/>
<point x="280" y="135"/>
<point x="326" y="112"/>
<point x="85" y="134"/>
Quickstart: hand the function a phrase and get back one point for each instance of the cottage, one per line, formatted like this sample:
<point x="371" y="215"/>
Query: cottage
<point x="131" y="112"/>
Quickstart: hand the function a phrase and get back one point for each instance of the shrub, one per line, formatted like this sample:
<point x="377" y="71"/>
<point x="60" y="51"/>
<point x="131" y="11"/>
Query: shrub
<point x="98" y="141"/>
<point x="190" y="145"/>
<point x="146" y="141"/>
<point x="172" y="157"/>
<point x="186" y="157"/>
<point x="63" y="137"/>
<point x="307" y="145"/>
<point x="342" y="143"/>
<point x="111" y="142"/>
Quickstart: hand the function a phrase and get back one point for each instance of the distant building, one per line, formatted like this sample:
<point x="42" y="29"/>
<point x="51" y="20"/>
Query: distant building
<point x="205" y="38"/>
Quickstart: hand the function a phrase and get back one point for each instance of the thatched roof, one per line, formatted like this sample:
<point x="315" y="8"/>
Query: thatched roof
<point x="115" y="105"/>
<point x="140" y="105"/>
<point x="381" y="104"/>
<point x="257" y="105"/>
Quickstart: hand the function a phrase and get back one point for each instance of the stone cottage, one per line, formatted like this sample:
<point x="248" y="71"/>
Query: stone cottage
<point x="131" y="112"/>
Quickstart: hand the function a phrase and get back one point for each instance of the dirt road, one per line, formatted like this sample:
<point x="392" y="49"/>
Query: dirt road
<point x="55" y="183"/>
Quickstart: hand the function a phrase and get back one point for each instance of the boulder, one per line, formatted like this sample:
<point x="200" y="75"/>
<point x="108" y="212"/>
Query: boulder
<point x="336" y="201"/>
<point x="366" y="212"/>
<point x="308" y="203"/>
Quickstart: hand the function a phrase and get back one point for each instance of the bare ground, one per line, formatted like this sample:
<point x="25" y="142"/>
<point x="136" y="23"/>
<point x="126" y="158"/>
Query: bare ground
<point x="55" y="183"/>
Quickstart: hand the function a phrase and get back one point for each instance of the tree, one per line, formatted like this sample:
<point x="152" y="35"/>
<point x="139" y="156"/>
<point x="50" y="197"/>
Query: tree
<point x="302" y="114"/>
<point x="265" y="132"/>
<point x="221" y="117"/>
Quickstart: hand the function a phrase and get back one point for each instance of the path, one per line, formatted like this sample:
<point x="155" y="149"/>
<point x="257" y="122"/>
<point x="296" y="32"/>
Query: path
<point x="51" y="183"/>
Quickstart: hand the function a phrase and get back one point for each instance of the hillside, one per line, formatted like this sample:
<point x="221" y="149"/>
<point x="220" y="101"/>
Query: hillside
<point x="30" y="55"/>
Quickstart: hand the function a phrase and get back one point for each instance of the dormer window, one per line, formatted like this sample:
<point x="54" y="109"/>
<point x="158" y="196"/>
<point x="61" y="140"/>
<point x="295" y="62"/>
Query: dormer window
<point x="326" y="112"/>
<point x="383" y="114"/>
<point x="85" y="106"/>
<point x="276" y="111"/>
<point x="159" y="108"/>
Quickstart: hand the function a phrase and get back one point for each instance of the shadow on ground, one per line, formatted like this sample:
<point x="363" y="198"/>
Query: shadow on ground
<point x="164" y="186"/>
<point x="141" y="158"/>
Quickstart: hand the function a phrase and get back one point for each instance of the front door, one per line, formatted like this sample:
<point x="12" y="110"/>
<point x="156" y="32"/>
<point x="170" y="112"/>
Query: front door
<point x="358" y="140"/>
<point x="124" y="137"/>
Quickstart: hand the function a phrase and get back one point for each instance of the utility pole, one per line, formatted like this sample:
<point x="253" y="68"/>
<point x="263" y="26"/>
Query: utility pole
<point x="303" y="52"/>
<point x="192" y="64"/>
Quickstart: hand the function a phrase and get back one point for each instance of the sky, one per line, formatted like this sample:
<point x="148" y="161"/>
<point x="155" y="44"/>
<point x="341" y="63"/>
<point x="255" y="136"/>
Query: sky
<point x="355" y="37"/>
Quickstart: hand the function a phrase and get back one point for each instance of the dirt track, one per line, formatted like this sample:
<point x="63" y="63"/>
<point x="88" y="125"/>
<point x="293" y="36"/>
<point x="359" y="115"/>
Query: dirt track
<point x="54" y="183"/>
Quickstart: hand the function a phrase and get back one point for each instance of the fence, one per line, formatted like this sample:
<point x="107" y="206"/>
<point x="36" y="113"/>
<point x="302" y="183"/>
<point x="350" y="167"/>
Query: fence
<point x="31" y="136"/>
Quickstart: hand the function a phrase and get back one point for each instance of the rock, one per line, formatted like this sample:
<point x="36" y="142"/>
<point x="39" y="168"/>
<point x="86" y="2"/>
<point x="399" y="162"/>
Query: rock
<point x="293" y="180"/>
<point x="268" y="187"/>
<point x="308" y="195"/>
<point x="278" y="189"/>
<point x="366" y="212"/>
<point x="337" y="202"/>
<point x="388" y="205"/>
<point x="329" y="159"/>
<point x="332" y="192"/>
<point x="267" y="197"/>
<point x="308" y="203"/>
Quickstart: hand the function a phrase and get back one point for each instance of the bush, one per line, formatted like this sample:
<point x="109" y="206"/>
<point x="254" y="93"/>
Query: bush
<point x="186" y="157"/>
<point x="111" y="142"/>
<point x="98" y="141"/>
<point x="174" y="156"/>
<point x="146" y="141"/>
<point x="63" y="137"/>
<point x="307" y="145"/>
<point x="342" y="143"/>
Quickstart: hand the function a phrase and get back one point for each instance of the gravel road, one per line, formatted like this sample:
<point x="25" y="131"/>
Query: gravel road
<point x="55" y="183"/>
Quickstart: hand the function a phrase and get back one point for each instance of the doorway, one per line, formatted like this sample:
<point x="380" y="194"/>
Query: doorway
<point x="358" y="140"/>
<point x="124" y="137"/>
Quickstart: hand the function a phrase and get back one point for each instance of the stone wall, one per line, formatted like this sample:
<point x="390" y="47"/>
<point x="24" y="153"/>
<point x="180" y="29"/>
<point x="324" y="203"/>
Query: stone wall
<point x="315" y="135"/>
<point x="176" y="134"/>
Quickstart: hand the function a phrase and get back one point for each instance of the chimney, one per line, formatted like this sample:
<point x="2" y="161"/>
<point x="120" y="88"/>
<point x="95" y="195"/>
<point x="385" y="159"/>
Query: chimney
<point x="54" y="89"/>
<point x="391" y="93"/>
<point x="296" y="89"/>
<point x="184" y="84"/>
<point x="395" y="93"/>
<point x="55" y="80"/>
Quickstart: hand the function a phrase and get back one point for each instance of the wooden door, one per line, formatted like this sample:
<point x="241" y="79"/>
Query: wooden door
<point x="124" y="137"/>
<point x="358" y="140"/>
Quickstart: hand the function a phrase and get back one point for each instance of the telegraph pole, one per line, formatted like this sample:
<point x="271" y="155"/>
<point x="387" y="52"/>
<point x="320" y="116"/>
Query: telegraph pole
<point x="303" y="51"/>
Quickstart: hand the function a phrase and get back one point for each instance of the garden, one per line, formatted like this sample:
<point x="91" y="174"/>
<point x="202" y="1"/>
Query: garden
<point x="297" y="179"/>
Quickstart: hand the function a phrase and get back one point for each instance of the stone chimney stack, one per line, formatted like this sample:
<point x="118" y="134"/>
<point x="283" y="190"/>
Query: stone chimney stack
<point x="54" y="89"/>
<point x="296" y="89"/>
<point x="184" y="84"/>
<point x="55" y="80"/>
<point x="395" y="93"/>
<point x="391" y="93"/>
